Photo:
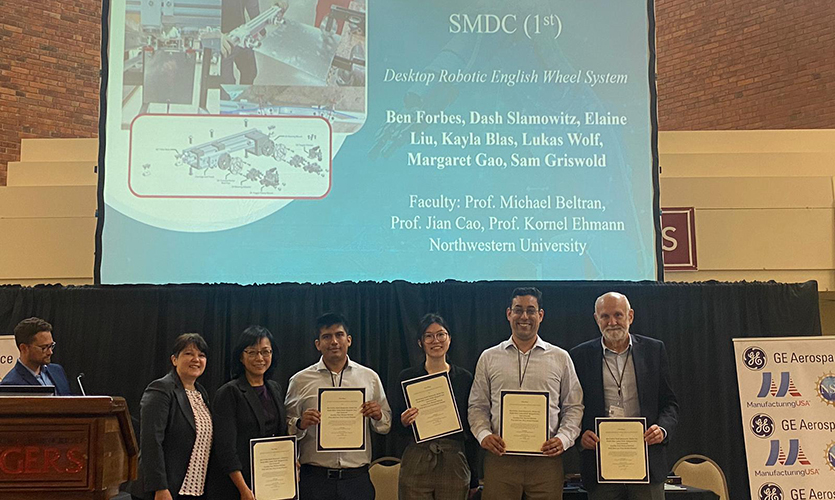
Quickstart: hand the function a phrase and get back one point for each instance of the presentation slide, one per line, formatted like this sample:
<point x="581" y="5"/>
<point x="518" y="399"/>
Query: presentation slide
<point x="255" y="141"/>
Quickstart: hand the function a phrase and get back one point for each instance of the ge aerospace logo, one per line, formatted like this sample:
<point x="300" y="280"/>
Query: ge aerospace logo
<point x="762" y="425"/>
<point x="826" y="388"/>
<point x="770" y="491"/>
<point x="754" y="358"/>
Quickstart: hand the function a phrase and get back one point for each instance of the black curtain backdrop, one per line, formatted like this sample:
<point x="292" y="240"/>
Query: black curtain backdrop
<point x="120" y="336"/>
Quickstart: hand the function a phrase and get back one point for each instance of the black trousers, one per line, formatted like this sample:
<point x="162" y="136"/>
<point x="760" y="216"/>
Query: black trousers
<point x="316" y="483"/>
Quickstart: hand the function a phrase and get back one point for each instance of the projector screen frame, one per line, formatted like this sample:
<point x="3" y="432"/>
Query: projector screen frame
<point x="653" y="115"/>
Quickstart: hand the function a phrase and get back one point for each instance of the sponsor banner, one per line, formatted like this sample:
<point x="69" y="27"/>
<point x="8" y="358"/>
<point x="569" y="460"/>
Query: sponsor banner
<point x="8" y="354"/>
<point x="787" y="394"/>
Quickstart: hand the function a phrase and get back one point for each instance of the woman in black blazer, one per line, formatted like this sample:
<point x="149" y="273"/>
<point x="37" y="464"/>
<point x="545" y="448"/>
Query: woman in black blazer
<point x="250" y="406"/>
<point x="176" y="426"/>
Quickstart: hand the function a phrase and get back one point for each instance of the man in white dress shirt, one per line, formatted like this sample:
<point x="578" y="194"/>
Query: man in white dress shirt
<point x="330" y="475"/>
<point x="525" y="362"/>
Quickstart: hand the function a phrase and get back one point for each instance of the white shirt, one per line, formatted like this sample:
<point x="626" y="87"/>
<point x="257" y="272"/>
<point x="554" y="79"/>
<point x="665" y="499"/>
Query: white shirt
<point x="619" y="368"/>
<point x="302" y="394"/>
<point x="546" y="368"/>
<point x="629" y="387"/>
<point x="198" y="464"/>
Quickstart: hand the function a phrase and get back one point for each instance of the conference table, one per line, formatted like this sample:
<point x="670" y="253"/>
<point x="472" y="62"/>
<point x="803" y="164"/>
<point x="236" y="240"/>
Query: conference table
<point x="688" y="493"/>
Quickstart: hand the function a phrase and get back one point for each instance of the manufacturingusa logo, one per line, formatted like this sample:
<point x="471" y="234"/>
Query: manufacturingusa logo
<point x="793" y="456"/>
<point x="777" y="390"/>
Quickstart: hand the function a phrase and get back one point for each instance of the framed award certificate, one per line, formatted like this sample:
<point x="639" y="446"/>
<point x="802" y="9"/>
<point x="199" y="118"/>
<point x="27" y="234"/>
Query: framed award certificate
<point x="622" y="453"/>
<point x="341" y="426"/>
<point x="524" y="422"/>
<point x="273" y="468"/>
<point x="437" y="412"/>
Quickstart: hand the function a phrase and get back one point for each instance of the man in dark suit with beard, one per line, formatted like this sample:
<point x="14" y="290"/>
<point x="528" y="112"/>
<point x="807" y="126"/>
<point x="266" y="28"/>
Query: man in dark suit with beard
<point x="624" y="375"/>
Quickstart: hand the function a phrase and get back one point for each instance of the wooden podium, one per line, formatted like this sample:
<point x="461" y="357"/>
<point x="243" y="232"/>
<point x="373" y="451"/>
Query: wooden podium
<point x="65" y="448"/>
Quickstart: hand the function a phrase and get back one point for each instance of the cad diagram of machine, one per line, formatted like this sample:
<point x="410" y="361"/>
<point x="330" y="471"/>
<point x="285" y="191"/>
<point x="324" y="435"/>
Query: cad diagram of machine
<point x="230" y="154"/>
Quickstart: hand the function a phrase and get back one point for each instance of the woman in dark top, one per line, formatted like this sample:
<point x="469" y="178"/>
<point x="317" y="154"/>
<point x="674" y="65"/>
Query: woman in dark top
<point x="439" y="468"/>
<point x="249" y="406"/>
<point x="176" y="426"/>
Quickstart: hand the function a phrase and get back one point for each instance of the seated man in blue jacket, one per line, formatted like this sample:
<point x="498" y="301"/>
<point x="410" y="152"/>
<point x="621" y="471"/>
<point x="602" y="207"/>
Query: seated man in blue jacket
<point x="33" y="337"/>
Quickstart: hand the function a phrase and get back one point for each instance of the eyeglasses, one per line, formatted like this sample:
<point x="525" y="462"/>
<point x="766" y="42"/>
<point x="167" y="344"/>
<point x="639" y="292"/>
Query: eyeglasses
<point x="46" y="347"/>
<point x="435" y="337"/>
<point x="266" y="353"/>
<point x="518" y="311"/>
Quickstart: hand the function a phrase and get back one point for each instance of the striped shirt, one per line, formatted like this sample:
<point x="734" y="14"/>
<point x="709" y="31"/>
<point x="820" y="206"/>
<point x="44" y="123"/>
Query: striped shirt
<point x="545" y="368"/>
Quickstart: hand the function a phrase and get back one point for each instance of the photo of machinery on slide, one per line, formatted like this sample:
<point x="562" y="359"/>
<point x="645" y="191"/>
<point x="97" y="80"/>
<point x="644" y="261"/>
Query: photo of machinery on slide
<point x="246" y="57"/>
<point x="229" y="109"/>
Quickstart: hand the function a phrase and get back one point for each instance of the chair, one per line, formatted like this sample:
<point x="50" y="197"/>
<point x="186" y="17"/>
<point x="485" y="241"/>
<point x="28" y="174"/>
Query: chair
<point x="385" y="477"/>
<point x="702" y="472"/>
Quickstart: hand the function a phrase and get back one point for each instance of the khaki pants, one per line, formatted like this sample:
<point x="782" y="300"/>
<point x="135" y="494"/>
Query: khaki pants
<point x="512" y="478"/>
<point x="435" y="470"/>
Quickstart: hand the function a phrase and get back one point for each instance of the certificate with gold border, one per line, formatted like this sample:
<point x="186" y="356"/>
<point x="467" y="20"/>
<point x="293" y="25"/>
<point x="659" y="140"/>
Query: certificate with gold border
<point x="273" y="468"/>
<point x="622" y="453"/>
<point x="437" y="412"/>
<point x="524" y="422"/>
<point x="341" y="425"/>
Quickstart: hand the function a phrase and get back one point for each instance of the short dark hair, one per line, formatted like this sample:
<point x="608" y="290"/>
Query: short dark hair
<point x="249" y="337"/>
<point x="327" y="320"/>
<point x="188" y="339"/>
<point x="25" y="331"/>
<point x="523" y="291"/>
<point x="426" y="321"/>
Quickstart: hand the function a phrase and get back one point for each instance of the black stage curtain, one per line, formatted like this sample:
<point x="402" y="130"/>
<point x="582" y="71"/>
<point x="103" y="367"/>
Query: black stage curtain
<point x="120" y="336"/>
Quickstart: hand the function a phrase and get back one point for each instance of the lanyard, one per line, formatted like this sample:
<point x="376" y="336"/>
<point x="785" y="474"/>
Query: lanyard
<point x="519" y="361"/>
<point x="618" y="382"/>
<point x="341" y="373"/>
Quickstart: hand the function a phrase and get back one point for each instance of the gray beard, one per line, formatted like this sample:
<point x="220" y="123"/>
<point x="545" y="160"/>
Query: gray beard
<point x="615" y="336"/>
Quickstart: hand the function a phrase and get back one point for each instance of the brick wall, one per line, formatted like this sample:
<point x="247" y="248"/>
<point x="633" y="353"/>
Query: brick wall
<point x="746" y="64"/>
<point x="49" y="71"/>
<point x="722" y="64"/>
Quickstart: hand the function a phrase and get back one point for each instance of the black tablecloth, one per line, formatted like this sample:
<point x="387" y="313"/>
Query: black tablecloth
<point x="690" y="493"/>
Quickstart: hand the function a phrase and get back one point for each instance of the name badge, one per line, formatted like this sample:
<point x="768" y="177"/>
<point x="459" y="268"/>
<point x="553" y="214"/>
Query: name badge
<point x="616" y="411"/>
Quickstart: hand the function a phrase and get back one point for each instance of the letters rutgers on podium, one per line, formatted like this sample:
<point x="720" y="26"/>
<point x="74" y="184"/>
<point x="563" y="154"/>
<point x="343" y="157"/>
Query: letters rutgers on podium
<point x="60" y="448"/>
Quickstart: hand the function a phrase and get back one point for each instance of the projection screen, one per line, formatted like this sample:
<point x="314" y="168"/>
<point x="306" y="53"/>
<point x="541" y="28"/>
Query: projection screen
<point x="249" y="141"/>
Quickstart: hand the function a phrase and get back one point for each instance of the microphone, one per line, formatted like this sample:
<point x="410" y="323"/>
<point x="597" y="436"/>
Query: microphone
<point x="78" y="379"/>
